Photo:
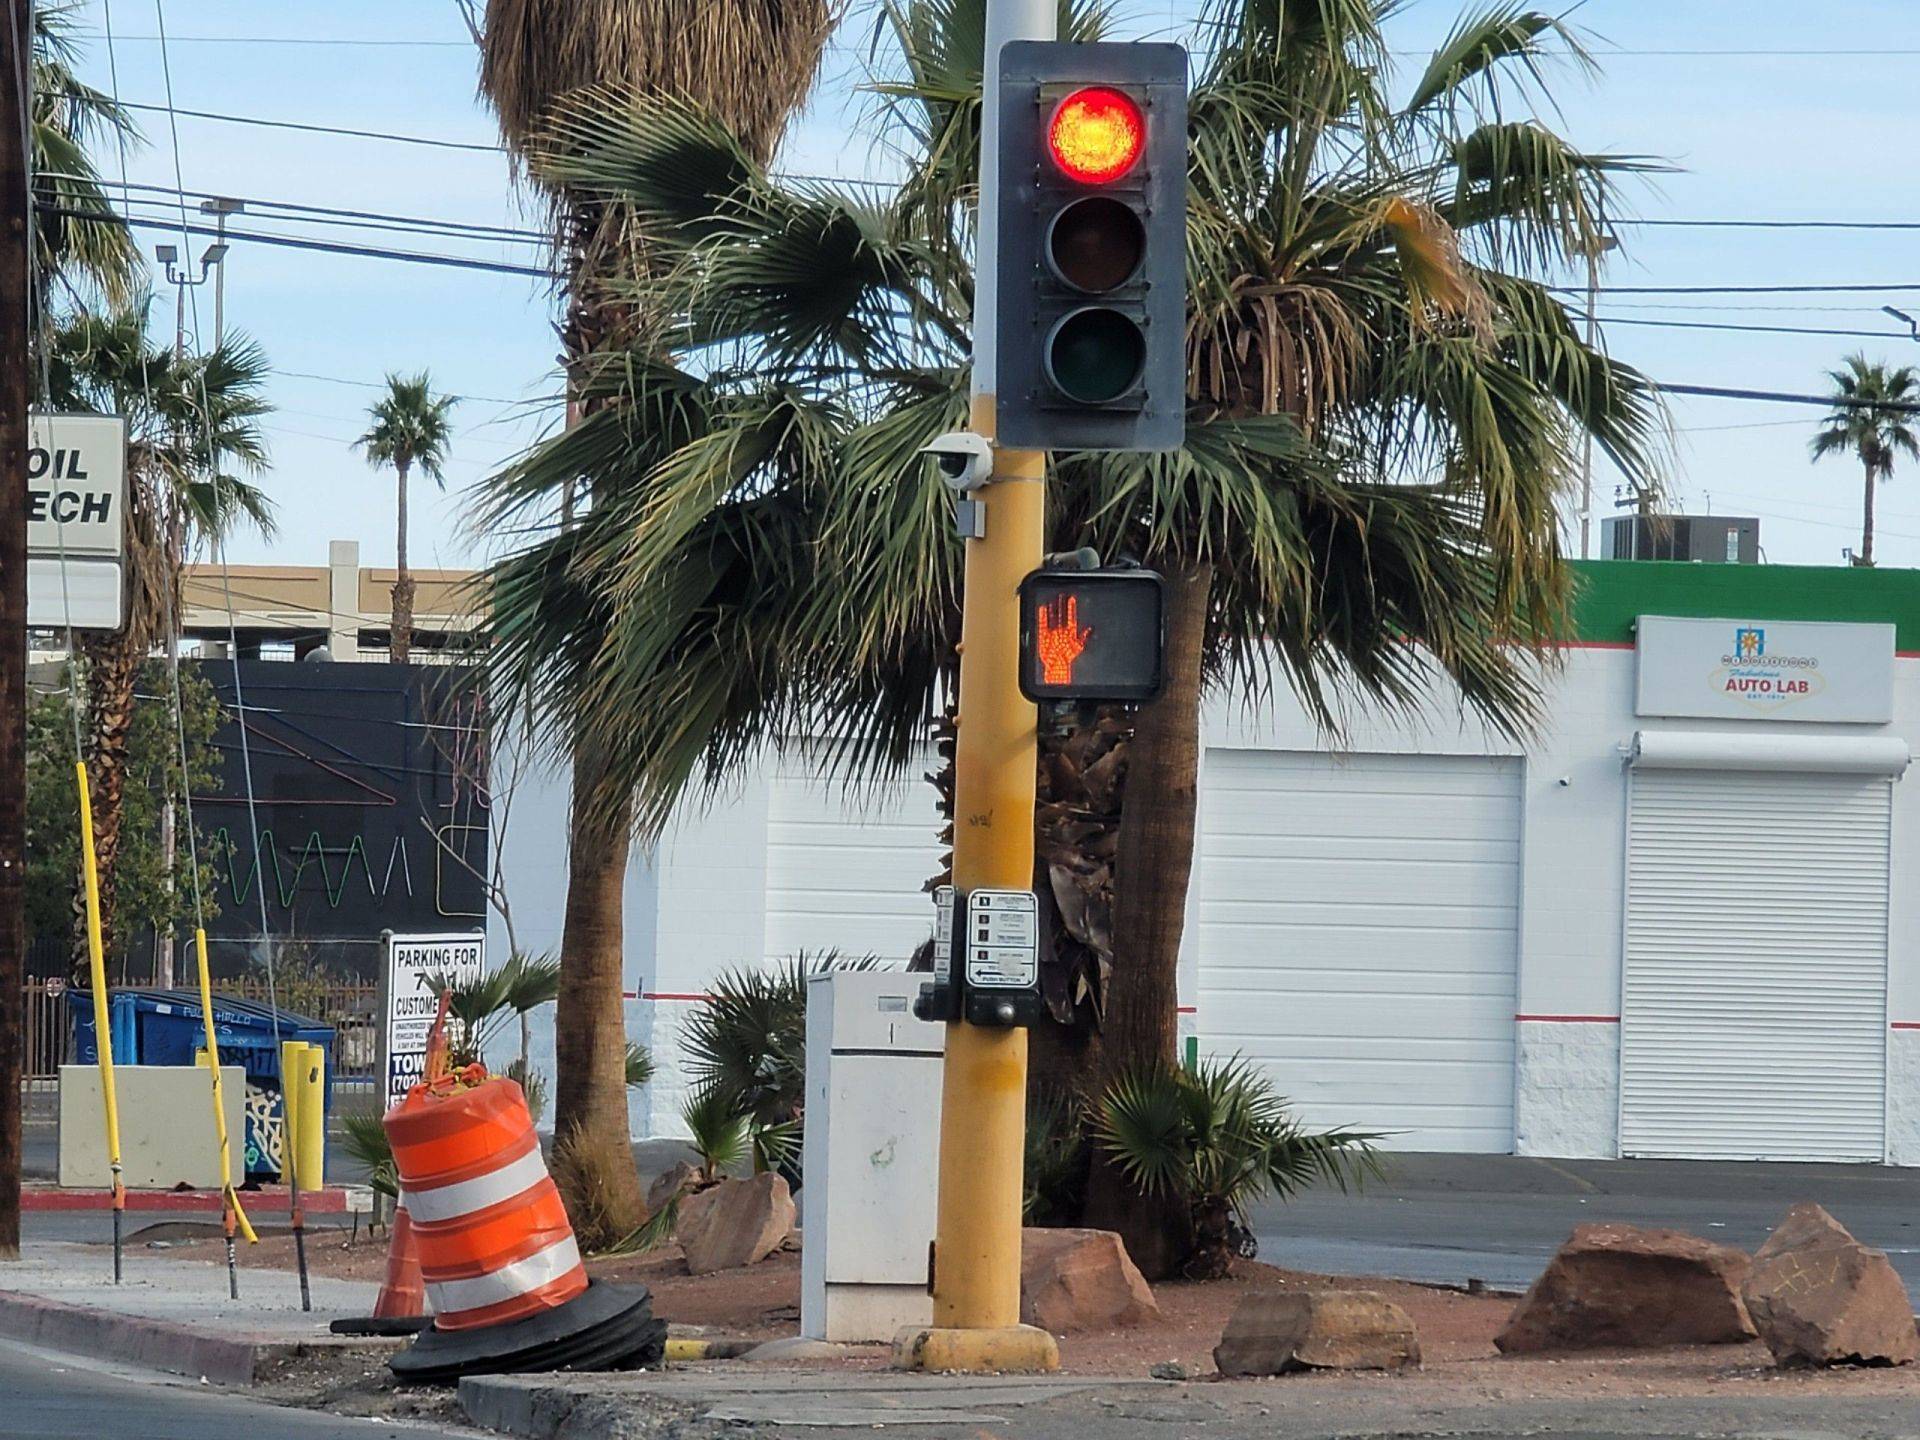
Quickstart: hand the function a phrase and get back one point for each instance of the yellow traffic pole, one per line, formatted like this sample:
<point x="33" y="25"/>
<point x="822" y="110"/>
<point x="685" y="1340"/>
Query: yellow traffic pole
<point x="983" y="1107"/>
<point x="102" y="1034"/>
<point x="976" y="1271"/>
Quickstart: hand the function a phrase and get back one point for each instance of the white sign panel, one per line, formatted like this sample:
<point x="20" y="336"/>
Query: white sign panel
<point x="1765" y="670"/>
<point x="88" y="598"/>
<point x="76" y="485"/>
<point x="1003" y="939"/>
<point x="413" y="962"/>
<point x="943" y="933"/>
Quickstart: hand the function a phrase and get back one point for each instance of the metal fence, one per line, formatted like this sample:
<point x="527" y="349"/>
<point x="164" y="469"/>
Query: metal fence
<point x="350" y="1006"/>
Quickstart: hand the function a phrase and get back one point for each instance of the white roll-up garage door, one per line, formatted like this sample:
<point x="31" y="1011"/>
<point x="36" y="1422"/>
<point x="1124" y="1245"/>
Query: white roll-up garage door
<point x="1753" y="1016"/>
<point x="1357" y="926"/>
<point x="846" y="868"/>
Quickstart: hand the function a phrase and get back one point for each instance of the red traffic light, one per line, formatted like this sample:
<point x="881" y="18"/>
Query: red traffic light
<point x="1097" y="135"/>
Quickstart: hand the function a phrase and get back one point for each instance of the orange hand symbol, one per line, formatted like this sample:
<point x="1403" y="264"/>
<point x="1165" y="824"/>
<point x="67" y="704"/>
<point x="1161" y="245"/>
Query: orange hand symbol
<point x="1061" y="641"/>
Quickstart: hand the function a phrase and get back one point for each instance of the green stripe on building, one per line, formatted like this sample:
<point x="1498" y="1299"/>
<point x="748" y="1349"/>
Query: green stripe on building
<point x="1609" y="595"/>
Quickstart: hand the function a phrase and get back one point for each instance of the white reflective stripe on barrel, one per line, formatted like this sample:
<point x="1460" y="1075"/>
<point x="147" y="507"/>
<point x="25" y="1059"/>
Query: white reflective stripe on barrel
<point x="509" y="1282"/>
<point x="463" y="1197"/>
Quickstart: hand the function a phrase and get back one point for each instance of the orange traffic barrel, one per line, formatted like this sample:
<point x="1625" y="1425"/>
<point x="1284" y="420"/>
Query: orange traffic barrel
<point x="493" y="1236"/>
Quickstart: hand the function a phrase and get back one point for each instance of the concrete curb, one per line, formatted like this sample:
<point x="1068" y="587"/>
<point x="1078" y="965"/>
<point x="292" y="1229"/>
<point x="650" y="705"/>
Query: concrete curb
<point x="81" y="1330"/>
<point x="138" y="1340"/>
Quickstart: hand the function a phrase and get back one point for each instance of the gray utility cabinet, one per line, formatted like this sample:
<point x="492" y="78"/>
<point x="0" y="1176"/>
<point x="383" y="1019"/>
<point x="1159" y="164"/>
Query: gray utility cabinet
<point x="872" y="1156"/>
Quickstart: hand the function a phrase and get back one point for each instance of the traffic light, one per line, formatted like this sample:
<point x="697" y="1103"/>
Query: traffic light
<point x="1091" y="634"/>
<point x="1091" y="351"/>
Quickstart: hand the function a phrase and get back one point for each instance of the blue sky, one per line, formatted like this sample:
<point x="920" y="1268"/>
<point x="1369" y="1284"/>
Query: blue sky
<point x="1798" y="135"/>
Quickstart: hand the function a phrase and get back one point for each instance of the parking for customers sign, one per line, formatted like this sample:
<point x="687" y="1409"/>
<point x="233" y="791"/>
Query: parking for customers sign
<point x="409" y="1002"/>
<point x="76" y="472"/>
<point x="1765" y="670"/>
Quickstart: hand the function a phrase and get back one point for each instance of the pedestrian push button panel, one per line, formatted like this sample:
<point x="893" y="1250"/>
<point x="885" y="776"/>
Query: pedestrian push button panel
<point x="986" y="958"/>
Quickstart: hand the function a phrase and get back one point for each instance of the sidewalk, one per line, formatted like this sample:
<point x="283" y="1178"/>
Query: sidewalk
<point x="170" y="1314"/>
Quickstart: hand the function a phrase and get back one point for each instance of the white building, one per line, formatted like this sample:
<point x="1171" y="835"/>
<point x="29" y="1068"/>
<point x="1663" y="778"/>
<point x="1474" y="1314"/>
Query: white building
<point x="1679" y="922"/>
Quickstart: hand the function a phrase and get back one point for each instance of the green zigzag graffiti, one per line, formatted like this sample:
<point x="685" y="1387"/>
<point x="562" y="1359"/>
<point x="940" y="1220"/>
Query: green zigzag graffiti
<point x="240" y="885"/>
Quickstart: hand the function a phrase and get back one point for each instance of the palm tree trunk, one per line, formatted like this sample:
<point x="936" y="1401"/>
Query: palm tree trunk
<point x="401" y="647"/>
<point x="600" y="1181"/>
<point x="1866" y="522"/>
<point x="113" y="667"/>
<point x="1157" y="822"/>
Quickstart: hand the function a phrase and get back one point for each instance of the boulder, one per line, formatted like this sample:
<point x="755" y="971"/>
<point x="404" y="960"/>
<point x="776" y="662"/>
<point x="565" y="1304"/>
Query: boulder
<point x="668" y="1186"/>
<point x="1620" y="1285"/>
<point x="734" y="1223"/>
<point x="1278" y="1331"/>
<point x="1820" y="1297"/>
<point x="1081" y="1280"/>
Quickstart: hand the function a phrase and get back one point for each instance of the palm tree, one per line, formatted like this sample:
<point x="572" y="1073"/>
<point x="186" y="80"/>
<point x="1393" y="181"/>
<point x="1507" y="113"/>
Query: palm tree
<point x="408" y="428"/>
<point x="91" y="258"/>
<point x="193" y="435"/>
<point x="1385" y="396"/>
<point x="1874" y="409"/>
<point x="752" y="62"/>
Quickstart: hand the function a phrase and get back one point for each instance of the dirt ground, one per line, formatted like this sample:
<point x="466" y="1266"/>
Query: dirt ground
<point x="1456" y="1330"/>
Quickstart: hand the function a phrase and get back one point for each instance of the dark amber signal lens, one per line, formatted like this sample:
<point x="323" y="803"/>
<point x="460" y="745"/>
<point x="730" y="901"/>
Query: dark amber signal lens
<point x="1096" y="244"/>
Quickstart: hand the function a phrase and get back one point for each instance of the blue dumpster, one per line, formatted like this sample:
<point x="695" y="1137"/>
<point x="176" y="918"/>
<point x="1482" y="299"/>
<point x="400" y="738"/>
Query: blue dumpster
<point x="164" y="1027"/>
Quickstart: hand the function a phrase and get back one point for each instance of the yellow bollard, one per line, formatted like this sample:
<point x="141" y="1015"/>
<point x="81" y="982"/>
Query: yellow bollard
<point x="312" y="1124"/>
<point x="303" y="1143"/>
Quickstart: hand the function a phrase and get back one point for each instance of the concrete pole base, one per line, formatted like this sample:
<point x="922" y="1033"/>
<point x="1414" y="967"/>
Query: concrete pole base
<point x="1015" y="1350"/>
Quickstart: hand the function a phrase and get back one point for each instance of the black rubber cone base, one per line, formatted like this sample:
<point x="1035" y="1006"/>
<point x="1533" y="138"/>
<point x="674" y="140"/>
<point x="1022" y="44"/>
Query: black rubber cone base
<point x="606" y="1327"/>
<point x="381" y="1325"/>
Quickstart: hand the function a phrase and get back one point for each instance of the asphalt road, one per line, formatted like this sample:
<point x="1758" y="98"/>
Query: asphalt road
<point x="54" y="1397"/>
<point x="1448" y="1219"/>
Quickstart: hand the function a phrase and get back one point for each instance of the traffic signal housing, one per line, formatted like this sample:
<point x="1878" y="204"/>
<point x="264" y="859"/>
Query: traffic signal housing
<point x="1091" y="322"/>
<point x="1092" y="634"/>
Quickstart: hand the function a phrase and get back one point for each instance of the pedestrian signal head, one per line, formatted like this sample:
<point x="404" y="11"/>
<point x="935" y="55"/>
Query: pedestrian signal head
<point x="1091" y="634"/>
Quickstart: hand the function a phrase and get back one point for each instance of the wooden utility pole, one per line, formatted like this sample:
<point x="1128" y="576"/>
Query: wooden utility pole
<point x="15" y="46"/>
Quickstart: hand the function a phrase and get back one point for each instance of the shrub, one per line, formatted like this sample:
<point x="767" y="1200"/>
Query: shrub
<point x="1219" y="1138"/>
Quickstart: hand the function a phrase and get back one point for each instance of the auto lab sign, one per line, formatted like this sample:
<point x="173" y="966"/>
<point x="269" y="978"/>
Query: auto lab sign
<point x="1765" y="670"/>
<point x="410" y="1001"/>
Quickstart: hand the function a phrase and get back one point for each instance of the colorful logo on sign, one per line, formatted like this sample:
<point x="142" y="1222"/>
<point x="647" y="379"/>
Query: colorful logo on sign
<point x="1766" y="682"/>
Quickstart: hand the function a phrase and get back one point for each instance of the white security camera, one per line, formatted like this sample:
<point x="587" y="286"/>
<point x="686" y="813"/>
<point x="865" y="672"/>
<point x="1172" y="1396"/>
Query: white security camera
<point x="965" y="460"/>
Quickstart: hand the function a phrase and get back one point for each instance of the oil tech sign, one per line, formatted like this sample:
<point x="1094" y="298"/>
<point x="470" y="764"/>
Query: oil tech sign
<point x="76" y="485"/>
<point x="1736" y="669"/>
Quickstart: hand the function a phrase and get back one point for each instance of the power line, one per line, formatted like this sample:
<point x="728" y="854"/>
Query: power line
<point x="1777" y="397"/>
<point x="393" y="136"/>
<point x="373" y="252"/>
<point x="1755" y="329"/>
<point x="303" y="40"/>
<point x="258" y="208"/>
<point x="1861" y="289"/>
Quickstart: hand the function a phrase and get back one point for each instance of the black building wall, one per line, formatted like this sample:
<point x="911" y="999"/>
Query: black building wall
<point x="370" y="797"/>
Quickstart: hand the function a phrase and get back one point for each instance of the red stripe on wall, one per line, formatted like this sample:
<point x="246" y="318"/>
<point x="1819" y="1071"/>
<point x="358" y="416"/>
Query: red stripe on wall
<point x="1189" y="1009"/>
<point x="1570" y="1019"/>
<point x="1906" y="1024"/>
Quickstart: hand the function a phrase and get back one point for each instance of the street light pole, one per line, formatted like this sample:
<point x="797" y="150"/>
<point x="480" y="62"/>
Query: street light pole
<point x="976" y="1260"/>
<point x="1595" y="249"/>
<point x="220" y="208"/>
<point x="174" y="539"/>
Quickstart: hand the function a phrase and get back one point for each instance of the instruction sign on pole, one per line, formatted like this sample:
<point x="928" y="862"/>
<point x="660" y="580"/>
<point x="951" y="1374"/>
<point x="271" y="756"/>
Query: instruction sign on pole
<point x="409" y="1002"/>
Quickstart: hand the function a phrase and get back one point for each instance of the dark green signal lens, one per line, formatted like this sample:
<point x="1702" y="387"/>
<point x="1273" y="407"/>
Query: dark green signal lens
<point x="1095" y="355"/>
